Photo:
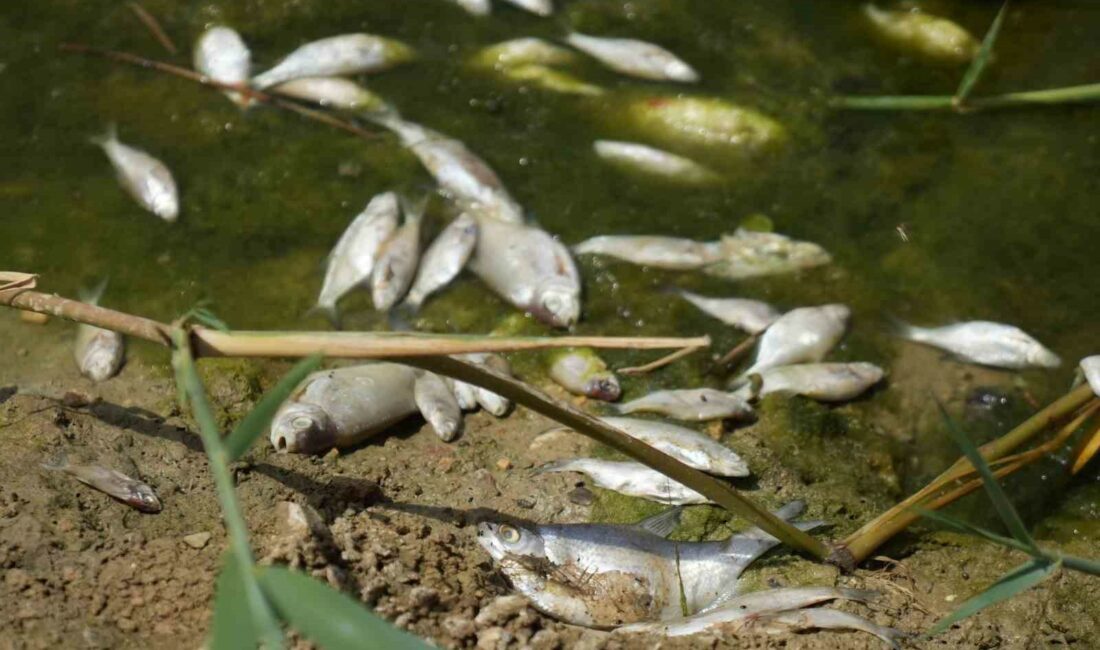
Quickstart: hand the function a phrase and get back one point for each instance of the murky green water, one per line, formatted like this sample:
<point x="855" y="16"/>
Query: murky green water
<point x="998" y="208"/>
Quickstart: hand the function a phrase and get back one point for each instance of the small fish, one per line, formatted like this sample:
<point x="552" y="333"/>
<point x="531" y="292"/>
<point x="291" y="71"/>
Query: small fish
<point x="487" y="399"/>
<point x="99" y="352"/>
<point x="346" y="54"/>
<point x="539" y="7"/>
<point x="705" y="123"/>
<point x="343" y="406"/>
<point x="221" y="54"/>
<point x="985" y="343"/>
<point x="635" y="157"/>
<point x="635" y="58"/>
<point x="553" y="80"/>
<point x="352" y="260"/>
<point x="582" y="372"/>
<point x="803" y="335"/>
<point x="629" y="478"/>
<point x="750" y="254"/>
<point x="1090" y="366"/>
<point x="464" y="393"/>
<point x="438" y="405"/>
<point x="530" y="269"/>
<point x="521" y="52"/>
<point x="825" y="382"/>
<point x="395" y="269"/>
<point x="444" y="259"/>
<point x="925" y="34"/>
<point x="606" y="575"/>
<point x="832" y="619"/>
<point x="752" y="316"/>
<point x="475" y="7"/>
<point x="130" y="491"/>
<point x="659" y="252"/>
<point x="144" y="177"/>
<point x="694" y="404"/>
<point x="332" y="92"/>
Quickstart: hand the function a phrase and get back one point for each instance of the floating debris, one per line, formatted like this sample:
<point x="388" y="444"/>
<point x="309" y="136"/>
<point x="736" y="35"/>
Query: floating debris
<point x="825" y="382"/>
<point x="924" y="34"/>
<point x="803" y="335"/>
<point x="437" y="403"/>
<point x="221" y="54"/>
<point x="332" y="92"/>
<point x="635" y="157"/>
<point x="145" y="178"/>
<point x="635" y="58"/>
<point x="115" y="484"/>
<point x="337" y="55"/>
<point x="395" y="269"/>
<point x="705" y="122"/>
<point x="985" y="343"/>
<point x="581" y="371"/>
<point x="444" y="259"/>
<point x="752" y="316"/>
<point x="692" y="404"/>
<point x="99" y="352"/>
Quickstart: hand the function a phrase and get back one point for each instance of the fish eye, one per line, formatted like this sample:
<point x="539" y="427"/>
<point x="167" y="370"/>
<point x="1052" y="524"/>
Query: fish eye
<point x="508" y="533"/>
<point x="301" y="423"/>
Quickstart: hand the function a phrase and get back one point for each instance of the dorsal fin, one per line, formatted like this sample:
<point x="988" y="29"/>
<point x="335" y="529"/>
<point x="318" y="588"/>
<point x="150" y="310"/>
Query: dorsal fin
<point x="663" y="523"/>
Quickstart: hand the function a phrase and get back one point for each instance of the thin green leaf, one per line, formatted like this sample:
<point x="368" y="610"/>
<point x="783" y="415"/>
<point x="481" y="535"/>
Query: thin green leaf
<point x="1019" y="580"/>
<point x="978" y="65"/>
<point x="970" y="529"/>
<point x="233" y="627"/>
<point x="1082" y="564"/>
<point x="204" y="316"/>
<point x="894" y="102"/>
<point x="329" y="618"/>
<point x="997" y="495"/>
<point x="259" y="418"/>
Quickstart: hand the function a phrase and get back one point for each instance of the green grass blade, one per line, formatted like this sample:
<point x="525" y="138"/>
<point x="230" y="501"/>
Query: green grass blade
<point x="329" y="618"/>
<point x="1004" y="508"/>
<point x="1019" y="580"/>
<point x="894" y="102"/>
<point x="1082" y="564"/>
<point x="204" y="316"/>
<point x="977" y="66"/>
<point x="966" y="528"/>
<point x="259" y="418"/>
<point x="233" y="627"/>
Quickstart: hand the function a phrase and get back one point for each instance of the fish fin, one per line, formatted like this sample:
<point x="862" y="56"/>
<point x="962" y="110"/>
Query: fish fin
<point x="662" y="524"/>
<point x="57" y="462"/>
<point x="754" y="542"/>
<point x="564" y="465"/>
<point x="900" y="328"/>
<point x="414" y="209"/>
<point x="93" y="294"/>
<point x="108" y="136"/>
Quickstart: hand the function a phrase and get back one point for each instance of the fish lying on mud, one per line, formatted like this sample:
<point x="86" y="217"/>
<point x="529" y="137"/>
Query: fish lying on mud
<point x="487" y="399"/>
<point x="706" y="123"/>
<point x="145" y="178"/>
<point x="922" y="33"/>
<point x="331" y="92"/>
<point x="832" y="619"/>
<point x="605" y="575"/>
<point x="395" y="268"/>
<point x="629" y="478"/>
<point x="635" y="157"/>
<point x="130" y="491"/>
<point x="99" y="352"/>
<point x="825" y="382"/>
<point x="345" y="54"/>
<point x="1090" y="367"/>
<point x="221" y="54"/>
<point x="751" y="316"/>
<point x="802" y="335"/>
<point x="444" y="259"/>
<point x="691" y="404"/>
<point x="582" y="372"/>
<point x="635" y="58"/>
<point x="671" y="253"/>
<point x="985" y="343"/>
<point x="437" y="403"/>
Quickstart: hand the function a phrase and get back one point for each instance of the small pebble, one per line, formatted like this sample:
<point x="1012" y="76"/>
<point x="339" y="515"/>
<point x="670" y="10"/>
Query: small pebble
<point x="504" y="464"/>
<point x="581" y="496"/>
<point x="75" y="399"/>
<point x="197" y="540"/>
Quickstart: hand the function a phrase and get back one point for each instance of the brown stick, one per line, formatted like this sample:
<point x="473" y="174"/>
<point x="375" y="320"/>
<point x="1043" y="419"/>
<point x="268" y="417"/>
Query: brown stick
<point x="735" y="353"/>
<point x="659" y="363"/>
<point x="153" y="26"/>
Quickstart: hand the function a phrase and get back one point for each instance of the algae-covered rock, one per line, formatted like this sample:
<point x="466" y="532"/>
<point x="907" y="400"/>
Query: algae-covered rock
<point x="705" y="122"/>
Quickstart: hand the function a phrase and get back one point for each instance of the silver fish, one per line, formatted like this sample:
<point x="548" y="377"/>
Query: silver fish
<point x="550" y="79"/>
<point x="832" y="619"/>
<point x="539" y="7"/>
<point x="221" y="54"/>
<point x="705" y="123"/>
<point x="752" y="316"/>
<point x="395" y="269"/>
<point x="749" y="254"/>
<point x="603" y="575"/>
<point x="465" y="394"/>
<point x="1090" y="366"/>
<point x="825" y="382"/>
<point x="985" y="343"/>
<point x="659" y="252"/>
<point x="633" y="156"/>
<point x="438" y="405"/>
<point x="343" y="406"/>
<point x="475" y="7"/>
<point x="693" y="404"/>
<point x="130" y="491"/>
<point x="521" y="52"/>
<point x="633" y="57"/>
<point x="352" y="260"/>
<point x="444" y="259"/>
<point x="331" y="92"/>
<point x="487" y="399"/>
<point x="99" y="352"/>
<point x="530" y="269"/>
<point x="924" y="34"/>
<point x="583" y="372"/>
<point x="346" y="54"/>
<point x="802" y="335"/>
<point x="629" y="478"/>
<point x="144" y="177"/>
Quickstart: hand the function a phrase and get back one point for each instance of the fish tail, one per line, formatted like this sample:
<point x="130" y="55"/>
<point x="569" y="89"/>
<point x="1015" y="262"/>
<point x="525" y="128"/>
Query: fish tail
<point x="329" y="311"/>
<point x="414" y="209"/>
<point x="93" y="294"/>
<point x="57" y="462"/>
<point x="902" y="329"/>
<point x="108" y="136"/>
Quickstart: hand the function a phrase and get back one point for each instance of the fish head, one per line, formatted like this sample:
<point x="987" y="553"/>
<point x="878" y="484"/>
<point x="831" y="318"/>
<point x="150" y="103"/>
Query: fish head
<point x="867" y="373"/>
<point x="302" y="429"/>
<point x="837" y="312"/>
<point x="504" y="540"/>
<point x="604" y="387"/>
<point x="1037" y="355"/>
<point x="142" y="497"/>
<point x="557" y="304"/>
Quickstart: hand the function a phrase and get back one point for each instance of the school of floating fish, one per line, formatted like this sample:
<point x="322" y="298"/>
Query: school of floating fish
<point x="626" y="577"/>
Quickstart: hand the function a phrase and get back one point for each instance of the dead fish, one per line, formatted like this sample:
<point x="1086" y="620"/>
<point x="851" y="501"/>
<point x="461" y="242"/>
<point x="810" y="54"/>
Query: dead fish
<point x="924" y="34"/>
<point x="582" y="372"/>
<point x="487" y="399"/>
<point x="825" y="382"/>
<point x="635" y="58"/>
<point x="605" y="575"/>
<point x="352" y="259"/>
<point x="635" y="157"/>
<point x="343" y="406"/>
<point x="444" y="259"/>
<point x="521" y="52"/>
<point x="706" y="123"/>
<point x="346" y="54"/>
<point x="144" y="177"/>
<point x="464" y="393"/>
<point x="332" y="92"/>
<point x="629" y="478"/>
<point x="221" y="54"/>
<point x="395" y="269"/>
<point x="475" y="7"/>
<point x="752" y="316"/>
<point x="538" y="7"/>
<point x="832" y="619"/>
<point x="438" y="405"/>
<point x="803" y="335"/>
<point x="694" y="404"/>
<point x="985" y="343"/>
<point x="130" y="491"/>
<point x="530" y="269"/>
<point x="550" y="79"/>
<point x="751" y="254"/>
<point x="1090" y="366"/>
<point x="659" y="252"/>
<point x="99" y="352"/>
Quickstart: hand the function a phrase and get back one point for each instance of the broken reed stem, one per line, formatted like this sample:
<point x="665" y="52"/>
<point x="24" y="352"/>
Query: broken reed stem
<point x="153" y="26"/>
<point x="735" y="354"/>
<point x="659" y="363"/>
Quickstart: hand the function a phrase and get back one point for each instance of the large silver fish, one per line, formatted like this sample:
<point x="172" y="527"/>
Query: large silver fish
<point x="221" y="54"/>
<point x="752" y="316"/>
<point x="581" y="371"/>
<point x="444" y="259"/>
<point x="691" y="404"/>
<point x="530" y="269"/>
<point x="99" y="352"/>
<point x="825" y="382"/>
<point x="635" y="58"/>
<point x="352" y="260"/>
<point x="659" y="252"/>
<point x="985" y="343"/>
<point x="395" y="269"/>
<point x="346" y="54"/>
<point x="750" y="254"/>
<point x="331" y="92"/>
<point x="144" y="177"/>
<point x="803" y="335"/>
<point x="130" y="491"/>
<point x="635" y="157"/>
<point x="922" y="33"/>
<point x="438" y="405"/>
<point x="603" y="575"/>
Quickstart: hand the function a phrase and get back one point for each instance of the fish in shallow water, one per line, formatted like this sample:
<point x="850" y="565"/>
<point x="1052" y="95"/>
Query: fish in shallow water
<point x="924" y="34"/>
<point x="538" y="7"/>
<point x="395" y="269"/>
<point x="803" y="335"/>
<point x="521" y="52"/>
<point x="692" y="404"/>
<point x="672" y="253"/>
<point x="704" y="123"/>
<point x="352" y="259"/>
<point x="444" y="259"/>
<point x="1090" y="366"/>
<point x="130" y="491"/>
<point x="99" y="352"/>
<point x="436" y="402"/>
<point x="331" y="92"/>
<point x="346" y="54"/>
<point x="581" y="371"/>
<point x="825" y="382"/>
<point x="635" y="58"/>
<point x="221" y="54"/>
<point x="985" y="343"/>
<point x="750" y="254"/>
<point x="635" y="157"/>
<point x="605" y="575"/>
<point x="145" y="178"/>
<point x="752" y="316"/>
